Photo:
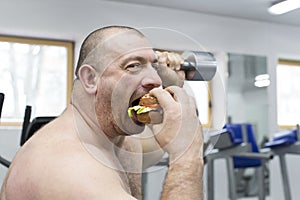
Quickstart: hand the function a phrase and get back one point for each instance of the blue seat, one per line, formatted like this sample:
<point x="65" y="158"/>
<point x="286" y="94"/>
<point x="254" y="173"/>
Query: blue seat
<point x="236" y="131"/>
<point x="283" y="138"/>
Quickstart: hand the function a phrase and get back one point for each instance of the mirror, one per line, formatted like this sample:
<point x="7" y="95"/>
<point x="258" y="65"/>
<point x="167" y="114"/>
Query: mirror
<point x="247" y="100"/>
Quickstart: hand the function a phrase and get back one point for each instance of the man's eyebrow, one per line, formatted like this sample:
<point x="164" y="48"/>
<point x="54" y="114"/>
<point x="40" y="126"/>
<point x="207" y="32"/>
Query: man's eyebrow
<point x="138" y="58"/>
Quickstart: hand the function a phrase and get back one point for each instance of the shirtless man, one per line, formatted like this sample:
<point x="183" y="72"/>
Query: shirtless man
<point x="92" y="150"/>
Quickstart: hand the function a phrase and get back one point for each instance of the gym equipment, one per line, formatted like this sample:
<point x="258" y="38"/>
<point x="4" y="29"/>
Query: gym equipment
<point x="3" y="161"/>
<point x="34" y="126"/>
<point x="236" y="143"/>
<point x="26" y="122"/>
<point x="28" y="129"/>
<point x="283" y="143"/>
<point x="203" y="63"/>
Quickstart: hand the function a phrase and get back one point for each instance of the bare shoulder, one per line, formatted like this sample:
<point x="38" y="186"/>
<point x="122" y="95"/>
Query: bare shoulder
<point x="57" y="167"/>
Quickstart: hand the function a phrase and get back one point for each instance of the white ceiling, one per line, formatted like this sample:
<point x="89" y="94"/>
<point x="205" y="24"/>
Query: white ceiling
<point x="245" y="9"/>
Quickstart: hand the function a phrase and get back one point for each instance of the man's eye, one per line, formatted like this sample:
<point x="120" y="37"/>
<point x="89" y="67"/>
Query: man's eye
<point x="134" y="67"/>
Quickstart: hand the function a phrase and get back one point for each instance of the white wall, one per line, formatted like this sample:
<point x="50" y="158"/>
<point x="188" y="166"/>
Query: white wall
<point x="73" y="20"/>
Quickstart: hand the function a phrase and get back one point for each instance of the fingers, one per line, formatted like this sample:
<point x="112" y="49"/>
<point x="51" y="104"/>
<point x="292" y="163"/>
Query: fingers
<point x="169" y="64"/>
<point x="172" y="62"/>
<point x="164" y="98"/>
<point x="169" y="59"/>
<point x="175" y="61"/>
<point x="162" y="58"/>
<point x="178" y="94"/>
<point x="169" y="96"/>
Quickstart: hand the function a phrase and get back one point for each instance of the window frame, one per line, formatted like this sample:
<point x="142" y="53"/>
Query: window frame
<point x="209" y="101"/>
<point x="291" y="63"/>
<point x="69" y="45"/>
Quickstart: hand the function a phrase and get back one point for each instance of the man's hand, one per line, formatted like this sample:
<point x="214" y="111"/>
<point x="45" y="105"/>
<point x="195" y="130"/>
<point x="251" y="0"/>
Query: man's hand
<point x="180" y="135"/>
<point x="181" y="132"/>
<point x="169" y="68"/>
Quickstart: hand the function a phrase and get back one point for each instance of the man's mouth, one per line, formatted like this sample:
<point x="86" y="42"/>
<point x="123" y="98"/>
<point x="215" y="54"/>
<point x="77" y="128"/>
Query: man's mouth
<point x="132" y="113"/>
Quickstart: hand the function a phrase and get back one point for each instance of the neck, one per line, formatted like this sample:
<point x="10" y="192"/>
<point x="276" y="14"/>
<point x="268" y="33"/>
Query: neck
<point x="83" y="105"/>
<point x="98" y="145"/>
<point x="88" y="128"/>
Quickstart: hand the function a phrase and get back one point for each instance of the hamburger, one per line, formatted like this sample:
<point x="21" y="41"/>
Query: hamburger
<point x="148" y="110"/>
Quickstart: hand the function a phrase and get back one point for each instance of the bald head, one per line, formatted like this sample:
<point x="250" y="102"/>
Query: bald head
<point x="97" y="37"/>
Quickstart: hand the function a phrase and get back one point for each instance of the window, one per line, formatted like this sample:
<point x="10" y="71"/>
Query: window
<point x="34" y="72"/>
<point x="288" y="93"/>
<point x="201" y="91"/>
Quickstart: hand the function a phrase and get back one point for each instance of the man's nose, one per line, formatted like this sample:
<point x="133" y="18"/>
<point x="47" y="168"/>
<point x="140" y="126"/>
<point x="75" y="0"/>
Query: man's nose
<point x="151" y="78"/>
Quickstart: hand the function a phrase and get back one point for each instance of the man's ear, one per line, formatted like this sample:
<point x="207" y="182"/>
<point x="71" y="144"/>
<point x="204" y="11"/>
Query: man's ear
<point x="88" y="78"/>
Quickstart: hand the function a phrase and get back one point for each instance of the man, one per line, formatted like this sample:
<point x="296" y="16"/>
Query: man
<point x="92" y="150"/>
